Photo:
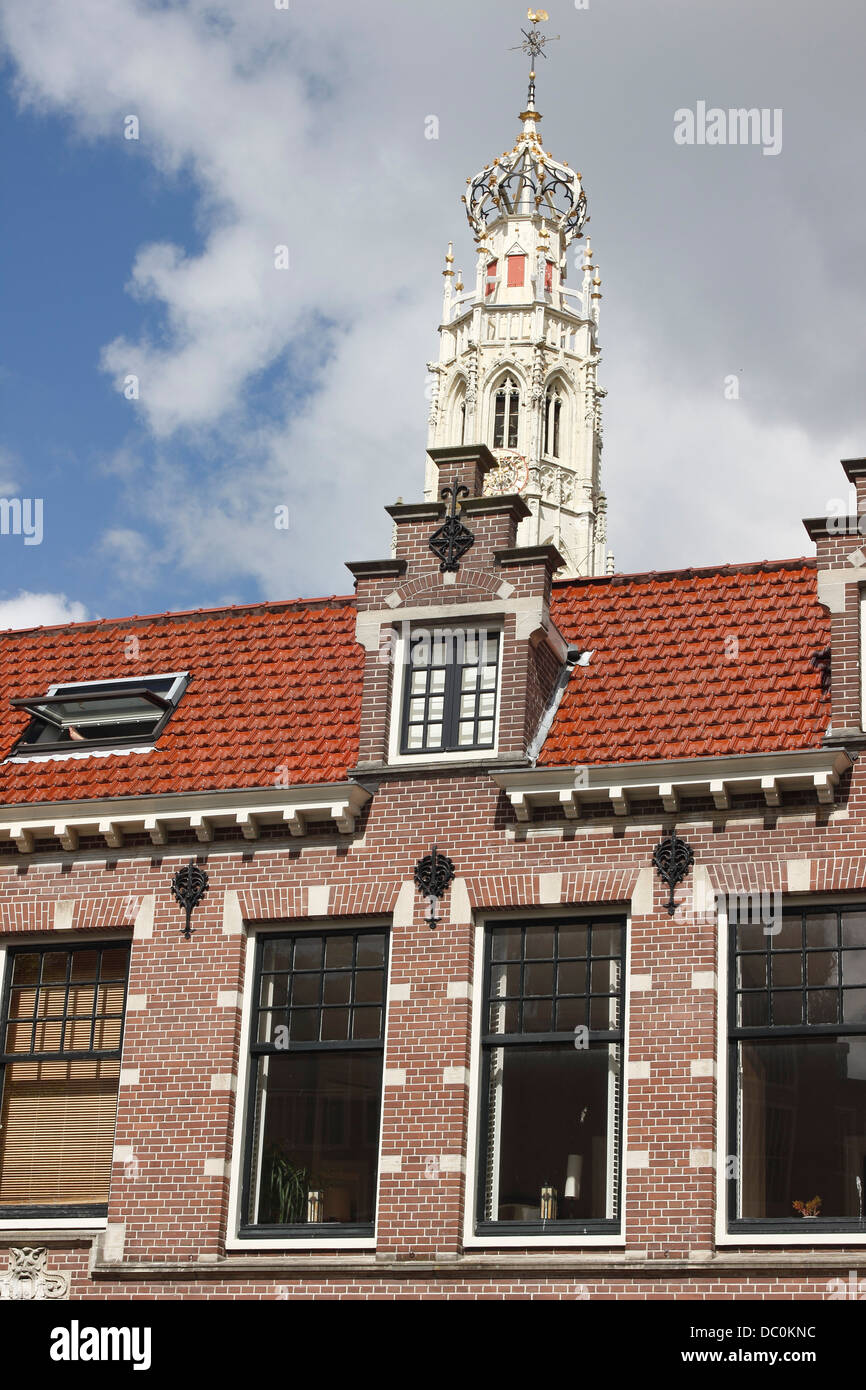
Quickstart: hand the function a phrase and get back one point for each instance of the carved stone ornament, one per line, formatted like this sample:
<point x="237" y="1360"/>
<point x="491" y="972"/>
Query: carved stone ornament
<point x="510" y="475"/>
<point x="28" y="1279"/>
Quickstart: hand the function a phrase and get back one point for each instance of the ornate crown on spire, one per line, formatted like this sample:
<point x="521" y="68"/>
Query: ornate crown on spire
<point x="525" y="179"/>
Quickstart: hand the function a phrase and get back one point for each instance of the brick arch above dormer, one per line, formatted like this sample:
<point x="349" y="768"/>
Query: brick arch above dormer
<point x="466" y="584"/>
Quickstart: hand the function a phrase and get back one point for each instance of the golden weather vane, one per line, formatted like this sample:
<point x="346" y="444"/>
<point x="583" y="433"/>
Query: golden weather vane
<point x="533" y="45"/>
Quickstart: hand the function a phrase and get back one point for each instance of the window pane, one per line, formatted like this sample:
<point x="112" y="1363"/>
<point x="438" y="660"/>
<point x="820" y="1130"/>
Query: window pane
<point x="787" y="969"/>
<point x="538" y="979"/>
<point x="821" y="928"/>
<point x="305" y="989"/>
<point x="803" y="1121"/>
<point x="338" y="988"/>
<point x="369" y="987"/>
<point x="751" y="937"/>
<point x="854" y="967"/>
<point x="277" y="954"/>
<point x="789" y="937"/>
<point x="371" y="951"/>
<point x="854" y="929"/>
<point x="571" y="977"/>
<point x="506" y="943"/>
<point x="550" y="1124"/>
<point x="505" y="979"/>
<point x="752" y="971"/>
<point x="317" y="1126"/>
<point x="854" y="1006"/>
<point x="538" y="1016"/>
<point x="504" y="1018"/>
<point x="753" y="1011"/>
<point x="335" y="1025"/>
<point x="606" y="941"/>
<point x="822" y="1006"/>
<point x="822" y="968"/>
<point x="308" y="953"/>
<point x="539" y="943"/>
<point x="572" y="940"/>
<point x="54" y="965"/>
<point x="787" y="1007"/>
<point x="366" y="1023"/>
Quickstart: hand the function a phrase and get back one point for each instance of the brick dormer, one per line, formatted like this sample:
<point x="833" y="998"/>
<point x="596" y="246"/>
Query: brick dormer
<point x="840" y="541"/>
<point x="497" y="588"/>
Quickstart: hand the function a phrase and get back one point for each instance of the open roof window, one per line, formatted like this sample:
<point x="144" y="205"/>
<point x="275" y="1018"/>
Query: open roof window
<point x="100" y="713"/>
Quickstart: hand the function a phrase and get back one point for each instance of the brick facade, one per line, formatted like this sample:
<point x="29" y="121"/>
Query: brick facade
<point x="171" y="1228"/>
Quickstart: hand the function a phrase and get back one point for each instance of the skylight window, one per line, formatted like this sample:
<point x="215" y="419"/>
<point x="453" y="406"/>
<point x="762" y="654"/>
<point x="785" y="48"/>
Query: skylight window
<point x="99" y="713"/>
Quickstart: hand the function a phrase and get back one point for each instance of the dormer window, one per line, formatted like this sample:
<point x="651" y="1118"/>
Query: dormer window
<point x="98" y="714"/>
<point x="450" y="691"/>
<point x="506" y="414"/>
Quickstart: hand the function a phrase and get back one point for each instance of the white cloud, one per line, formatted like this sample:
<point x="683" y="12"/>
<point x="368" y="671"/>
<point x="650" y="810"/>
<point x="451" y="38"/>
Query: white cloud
<point x="40" y="610"/>
<point x="306" y="128"/>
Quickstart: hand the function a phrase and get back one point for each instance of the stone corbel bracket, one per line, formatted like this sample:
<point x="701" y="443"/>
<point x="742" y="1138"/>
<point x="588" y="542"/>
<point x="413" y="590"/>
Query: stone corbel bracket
<point x="245" y="812"/>
<point x="617" y="786"/>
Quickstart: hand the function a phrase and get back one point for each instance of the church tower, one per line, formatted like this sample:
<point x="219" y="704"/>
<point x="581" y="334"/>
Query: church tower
<point x="519" y="350"/>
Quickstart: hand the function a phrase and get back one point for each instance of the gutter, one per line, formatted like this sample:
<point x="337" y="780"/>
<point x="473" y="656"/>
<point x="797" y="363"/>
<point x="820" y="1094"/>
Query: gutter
<point x="572" y="657"/>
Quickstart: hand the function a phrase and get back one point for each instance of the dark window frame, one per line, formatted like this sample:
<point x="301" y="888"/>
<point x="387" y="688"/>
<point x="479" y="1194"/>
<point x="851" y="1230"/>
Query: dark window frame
<point x="736" y="1033"/>
<point x="26" y="746"/>
<point x="65" y="1211"/>
<point x="506" y="415"/>
<point x="603" y="1226"/>
<point x="306" y="1231"/>
<point x="451" y="694"/>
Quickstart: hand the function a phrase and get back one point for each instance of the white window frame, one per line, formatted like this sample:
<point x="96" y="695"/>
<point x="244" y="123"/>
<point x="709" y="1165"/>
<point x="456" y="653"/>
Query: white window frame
<point x="398" y="694"/>
<point x="46" y="1223"/>
<point x="234" y="1241"/>
<point x="473" y="1147"/>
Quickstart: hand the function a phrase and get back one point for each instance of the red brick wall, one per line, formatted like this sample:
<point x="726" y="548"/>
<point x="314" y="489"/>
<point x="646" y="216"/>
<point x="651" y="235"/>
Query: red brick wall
<point x="173" y="1121"/>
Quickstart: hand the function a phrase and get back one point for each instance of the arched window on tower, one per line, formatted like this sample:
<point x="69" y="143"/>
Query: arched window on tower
<point x="506" y="414"/>
<point x="457" y="414"/>
<point x="552" y="420"/>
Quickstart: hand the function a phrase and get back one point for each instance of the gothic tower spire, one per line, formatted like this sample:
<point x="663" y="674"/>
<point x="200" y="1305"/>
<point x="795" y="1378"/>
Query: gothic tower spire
<point x="519" y="350"/>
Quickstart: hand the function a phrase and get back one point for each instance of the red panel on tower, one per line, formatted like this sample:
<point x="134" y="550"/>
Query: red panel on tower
<point x="516" y="270"/>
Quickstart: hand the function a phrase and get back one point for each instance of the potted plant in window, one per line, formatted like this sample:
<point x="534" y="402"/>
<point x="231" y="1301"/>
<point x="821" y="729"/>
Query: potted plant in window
<point x="286" y="1186"/>
<point x="811" y="1208"/>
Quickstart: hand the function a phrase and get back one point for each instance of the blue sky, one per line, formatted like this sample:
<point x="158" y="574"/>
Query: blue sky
<point x="305" y="389"/>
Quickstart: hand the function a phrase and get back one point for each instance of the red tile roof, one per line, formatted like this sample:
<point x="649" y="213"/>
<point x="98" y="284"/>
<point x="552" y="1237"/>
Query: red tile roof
<point x="666" y="681"/>
<point x="274" y="685"/>
<point x="278" y="685"/>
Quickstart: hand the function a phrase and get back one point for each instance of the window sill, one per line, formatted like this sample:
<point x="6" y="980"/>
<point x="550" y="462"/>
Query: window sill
<point x="548" y="1240"/>
<point x="44" y="1223"/>
<point x="792" y="1238"/>
<point x="309" y="1243"/>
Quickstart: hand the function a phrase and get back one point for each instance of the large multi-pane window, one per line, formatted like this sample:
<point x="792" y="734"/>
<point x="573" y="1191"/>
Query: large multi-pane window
<point x="62" y="1033"/>
<point x="797" y="1077"/>
<point x="551" y="1077"/>
<point x="315" y="1093"/>
<point x="450" y="691"/>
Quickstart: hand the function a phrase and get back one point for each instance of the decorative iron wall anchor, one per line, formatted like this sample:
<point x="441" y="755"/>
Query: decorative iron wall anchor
<point x="189" y="886"/>
<point x="673" y="858"/>
<point x="453" y="539"/>
<point x="433" y="874"/>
